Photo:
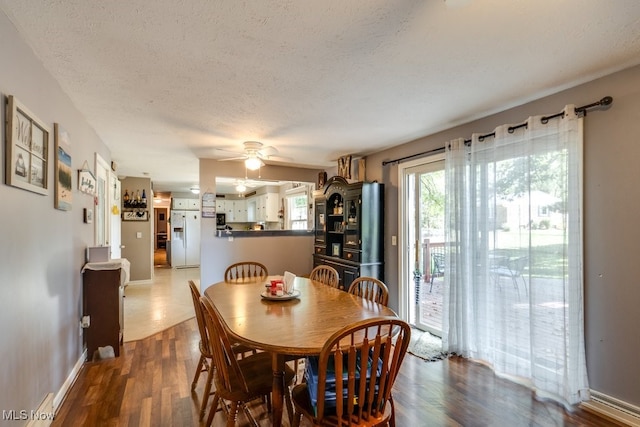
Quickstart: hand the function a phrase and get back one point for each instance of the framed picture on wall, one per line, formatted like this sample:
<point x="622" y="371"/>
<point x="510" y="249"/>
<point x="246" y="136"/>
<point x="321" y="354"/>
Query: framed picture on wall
<point x="335" y="249"/>
<point x="137" y="215"/>
<point x="87" y="215"/>
<point x="63" y="176"/>
<point x="27" y="149"/>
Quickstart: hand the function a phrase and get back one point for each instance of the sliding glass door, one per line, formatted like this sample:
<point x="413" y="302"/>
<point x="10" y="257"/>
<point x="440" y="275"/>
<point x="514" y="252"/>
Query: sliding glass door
<point x="422" y="240"/>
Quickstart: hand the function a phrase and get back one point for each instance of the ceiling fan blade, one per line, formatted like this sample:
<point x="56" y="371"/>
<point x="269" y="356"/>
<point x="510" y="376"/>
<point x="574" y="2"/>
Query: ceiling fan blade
<point x="279" y="158"/>
<point x="232" y="158"/>
<point x="229" y="151"/>
<point x="268" y="151"/>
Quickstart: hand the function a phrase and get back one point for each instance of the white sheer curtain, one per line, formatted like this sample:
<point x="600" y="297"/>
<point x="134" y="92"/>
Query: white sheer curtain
<point x="513" y="221"/>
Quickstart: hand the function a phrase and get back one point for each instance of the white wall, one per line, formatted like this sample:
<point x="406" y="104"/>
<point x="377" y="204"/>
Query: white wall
<point x="41" y="248"/>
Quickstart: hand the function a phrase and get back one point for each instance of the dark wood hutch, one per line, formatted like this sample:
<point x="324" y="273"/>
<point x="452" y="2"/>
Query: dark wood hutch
<point x="349" y="220"/>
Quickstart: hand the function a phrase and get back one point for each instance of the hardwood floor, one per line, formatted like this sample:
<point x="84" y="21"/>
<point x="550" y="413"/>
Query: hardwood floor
<point x="150" y="385"/>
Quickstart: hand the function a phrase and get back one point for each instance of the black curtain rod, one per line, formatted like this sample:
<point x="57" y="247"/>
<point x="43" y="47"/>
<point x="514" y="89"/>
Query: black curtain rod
<point x="604" y="102"/>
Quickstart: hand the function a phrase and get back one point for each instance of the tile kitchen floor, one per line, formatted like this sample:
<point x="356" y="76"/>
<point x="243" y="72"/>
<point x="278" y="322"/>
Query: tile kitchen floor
<point x="154" y="307"/>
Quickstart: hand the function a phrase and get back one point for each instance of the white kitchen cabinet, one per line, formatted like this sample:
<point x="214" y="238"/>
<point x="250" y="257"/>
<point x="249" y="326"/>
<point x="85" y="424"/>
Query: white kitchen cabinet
<point x="179" y="203"/>
<point x="229" y="211"/>
<point x="220" y="206"/>
<point x="240" y="210"/>
<point x="266" y="207"/>
<point x="271" y="207"/>
<point x="193" y="204"/>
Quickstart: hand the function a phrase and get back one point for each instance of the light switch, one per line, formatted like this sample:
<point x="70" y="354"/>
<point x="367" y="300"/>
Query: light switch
<point x="139" y="235"/>
<point x="394" y="240"/>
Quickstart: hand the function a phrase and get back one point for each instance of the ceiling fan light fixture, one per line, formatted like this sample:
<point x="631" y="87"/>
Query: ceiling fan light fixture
<point x="241" y="188"/>
<point x="195" y="190"/>
<point x="253" y="163"/>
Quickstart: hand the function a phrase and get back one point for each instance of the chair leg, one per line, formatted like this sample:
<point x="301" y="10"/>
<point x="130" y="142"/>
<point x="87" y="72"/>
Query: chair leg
<point x="515" y="285"/>
<point x="213" y="409"/>
<point x="233" y="414"/>
<point x="392" y="421"/>
<point x="250" y="416"/>
<point x="524" y="282"/>
<point x="207" y="391"/>
<point x="297" y="417"/>
<point x="287" y="399"/>
<point x="198" y="372"/>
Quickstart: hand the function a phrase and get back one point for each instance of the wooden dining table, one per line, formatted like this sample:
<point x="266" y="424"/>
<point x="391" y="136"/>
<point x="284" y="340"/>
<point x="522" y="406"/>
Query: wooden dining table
<point x="295" y="327"/>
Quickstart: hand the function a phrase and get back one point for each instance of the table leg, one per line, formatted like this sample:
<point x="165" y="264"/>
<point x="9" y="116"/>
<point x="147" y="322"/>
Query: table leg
<point x="277" y="393"/>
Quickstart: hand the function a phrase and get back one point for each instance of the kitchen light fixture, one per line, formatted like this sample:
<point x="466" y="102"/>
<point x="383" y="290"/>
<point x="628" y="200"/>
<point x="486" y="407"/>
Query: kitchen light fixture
<point x="195" y="189"/>
<point x="253" y="163"/>
<point x="241" y="188"/>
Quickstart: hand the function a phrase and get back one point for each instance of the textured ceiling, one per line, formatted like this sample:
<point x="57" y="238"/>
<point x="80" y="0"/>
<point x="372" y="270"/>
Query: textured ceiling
<point x="167" y="82"/>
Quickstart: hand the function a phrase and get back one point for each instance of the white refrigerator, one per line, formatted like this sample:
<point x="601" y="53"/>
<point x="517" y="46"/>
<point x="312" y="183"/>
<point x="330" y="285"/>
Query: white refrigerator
<point x="185" y="238"/>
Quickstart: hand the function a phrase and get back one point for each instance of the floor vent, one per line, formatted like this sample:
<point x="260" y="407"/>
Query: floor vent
<point x="43" y="416"/>
<point x="616" y="410"/>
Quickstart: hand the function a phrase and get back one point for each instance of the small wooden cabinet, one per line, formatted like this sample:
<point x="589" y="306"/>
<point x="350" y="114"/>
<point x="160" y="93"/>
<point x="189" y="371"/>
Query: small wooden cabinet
<point x="349" y="229"/>
<point x="102" y="301"/>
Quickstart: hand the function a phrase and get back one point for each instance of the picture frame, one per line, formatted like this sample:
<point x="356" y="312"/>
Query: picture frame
<point x="335" y="249"/>
<point x="27" y="149"/>
<point x="137" y="215"/>
<point x="87" y="215"/>
<point x="87" y="182"/>
<point x="63" y="176"/>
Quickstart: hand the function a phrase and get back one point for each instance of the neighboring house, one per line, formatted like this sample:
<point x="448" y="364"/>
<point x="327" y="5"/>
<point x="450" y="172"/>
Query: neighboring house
<point x="539" y="211"/>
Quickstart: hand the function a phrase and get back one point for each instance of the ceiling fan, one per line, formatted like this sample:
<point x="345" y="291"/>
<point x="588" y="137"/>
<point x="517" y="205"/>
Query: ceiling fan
<point x="254" y="154"/>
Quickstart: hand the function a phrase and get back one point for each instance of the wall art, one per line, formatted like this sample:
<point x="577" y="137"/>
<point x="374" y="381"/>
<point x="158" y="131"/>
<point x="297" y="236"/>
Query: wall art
<point x="27" y="149"/>
<point x="86" y="182"/>
<point x="63" y="172"/>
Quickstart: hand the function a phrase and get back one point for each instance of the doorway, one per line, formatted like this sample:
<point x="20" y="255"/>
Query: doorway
<point x="161" y="231"/>
<point x="422" y="237"/>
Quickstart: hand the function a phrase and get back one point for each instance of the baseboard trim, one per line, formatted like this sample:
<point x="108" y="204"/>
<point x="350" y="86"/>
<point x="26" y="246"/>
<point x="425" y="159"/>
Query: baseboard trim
<point x="44" y="415"/>
<point x="140" y="282"/>
<point x="616" y="410"/>
<point x="66" y="386"/>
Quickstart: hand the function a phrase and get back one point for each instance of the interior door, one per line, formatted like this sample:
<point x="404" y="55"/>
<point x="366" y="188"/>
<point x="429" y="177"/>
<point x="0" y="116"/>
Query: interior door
<point x="102" y="217"/>
<point x="115" y="208"/>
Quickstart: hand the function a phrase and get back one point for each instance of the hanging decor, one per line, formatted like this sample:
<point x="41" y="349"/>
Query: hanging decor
<point x="27" y="149"/>
<point x="86" y="180"/>
<point x="63" y="174"/>
<point x="344" y="167"/>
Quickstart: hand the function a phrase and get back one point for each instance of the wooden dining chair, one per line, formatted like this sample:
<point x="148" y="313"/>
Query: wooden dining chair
<point x="238" y="381"/>
<point x="350" y="382"/>
<point x="325" y="274"/>
<point x="370" y="288"/>
<point x="245" y="270"/>
<point x="205" y="363"/>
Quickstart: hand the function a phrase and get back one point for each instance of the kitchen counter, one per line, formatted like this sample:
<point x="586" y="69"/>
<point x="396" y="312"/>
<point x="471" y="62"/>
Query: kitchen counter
<point x="262" y="233"/>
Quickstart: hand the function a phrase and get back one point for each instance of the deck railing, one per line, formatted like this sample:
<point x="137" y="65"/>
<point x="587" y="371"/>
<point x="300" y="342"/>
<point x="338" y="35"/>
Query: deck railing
<point x="429" y="248"/>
